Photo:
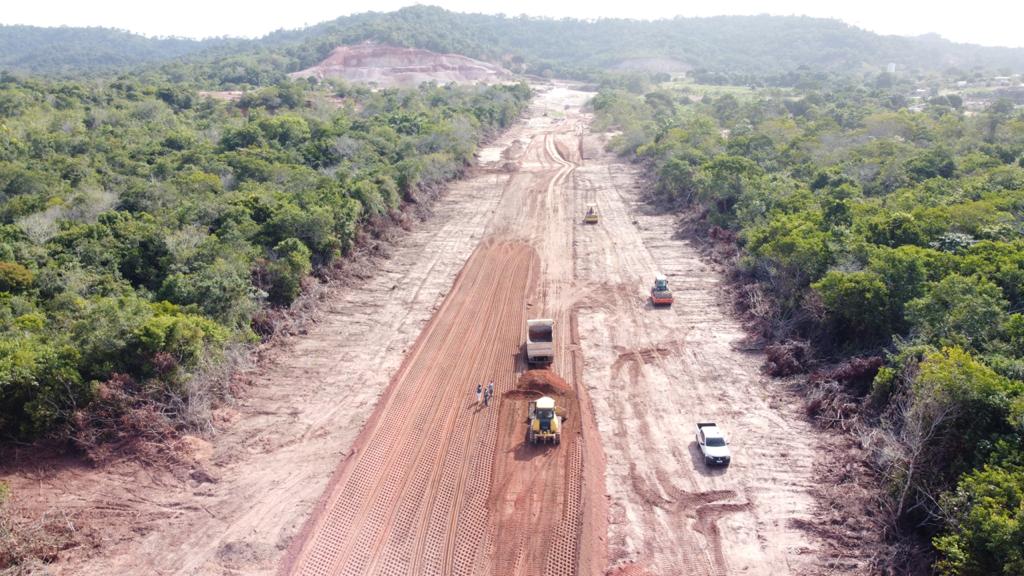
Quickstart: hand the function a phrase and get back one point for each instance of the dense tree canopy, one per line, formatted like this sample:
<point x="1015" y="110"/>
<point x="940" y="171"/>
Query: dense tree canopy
<point x="143" y="227"/>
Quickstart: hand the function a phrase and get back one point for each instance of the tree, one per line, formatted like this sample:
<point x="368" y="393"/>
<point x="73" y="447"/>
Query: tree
<point x="857" y="303"/>
<point x="894" y="229"/>
<point x="906" y="271"/>
<point x="14" y="277"/>
<point x="677" y="181"/>
<point x="985" y="535"/>
<point x="956" y="407"/>
<point x="967" y="311"/>
<point x="726" y="178"/>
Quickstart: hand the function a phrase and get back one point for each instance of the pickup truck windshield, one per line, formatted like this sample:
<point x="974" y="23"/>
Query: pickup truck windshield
<point x="540" y="334"/>
<point x="714" y="442"/>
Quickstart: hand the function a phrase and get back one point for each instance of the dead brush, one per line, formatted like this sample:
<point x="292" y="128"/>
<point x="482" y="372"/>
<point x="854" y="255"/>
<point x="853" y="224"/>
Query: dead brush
<point x="28" y="544"/>
<point x="831" y="406"/>
<point x="787" y="358"/>
<point x="124" y="421"/>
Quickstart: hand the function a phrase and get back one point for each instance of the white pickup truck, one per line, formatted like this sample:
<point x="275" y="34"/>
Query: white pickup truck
<point x="540" y="345"/>
<point x="713" y="444"/>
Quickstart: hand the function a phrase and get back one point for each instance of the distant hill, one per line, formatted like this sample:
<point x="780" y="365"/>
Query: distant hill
<point x="67" y="51"/>
<point x="740" y="44"/>
<point x="739" y="47"/>
<point x="387" y="66"/>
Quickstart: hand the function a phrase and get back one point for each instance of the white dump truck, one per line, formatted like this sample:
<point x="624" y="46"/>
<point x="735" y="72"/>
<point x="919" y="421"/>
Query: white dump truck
<point x="540" y="341"/>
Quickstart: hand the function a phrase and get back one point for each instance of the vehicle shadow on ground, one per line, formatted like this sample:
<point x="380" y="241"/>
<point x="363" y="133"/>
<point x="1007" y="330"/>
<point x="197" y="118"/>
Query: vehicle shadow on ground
<point x="698" y="462"/>
<point x="526" y="451"/>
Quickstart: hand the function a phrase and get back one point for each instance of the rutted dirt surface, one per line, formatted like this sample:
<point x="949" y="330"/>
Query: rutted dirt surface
<point x="441" y="485"/>
<point x="653" y="373"/>
<point x="359" y="448"/>
<point x="391" y="66"/>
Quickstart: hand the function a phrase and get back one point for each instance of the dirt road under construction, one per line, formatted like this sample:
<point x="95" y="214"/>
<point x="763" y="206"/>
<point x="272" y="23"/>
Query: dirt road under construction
<point x="359" y="447"/>
<point x="437" y="484"/>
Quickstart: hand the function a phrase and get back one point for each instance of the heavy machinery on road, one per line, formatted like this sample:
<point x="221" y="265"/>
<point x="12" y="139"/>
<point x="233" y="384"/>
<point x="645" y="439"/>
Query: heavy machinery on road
<point x="540" y="345"/>
<point x="713" y="444"/>
<point x="591" y="216"/>
<point x="545" y="423"/>
<point x="660" y="294"/>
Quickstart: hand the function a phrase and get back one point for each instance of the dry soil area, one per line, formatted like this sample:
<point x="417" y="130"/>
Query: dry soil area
<point x="652" y="374"/>
<point x="392" y="66"/>
<point x="358" y="447"/>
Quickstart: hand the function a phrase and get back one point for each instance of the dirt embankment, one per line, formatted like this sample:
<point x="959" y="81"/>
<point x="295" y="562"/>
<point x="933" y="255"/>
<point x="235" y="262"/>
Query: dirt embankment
<point x="391" y="66"/>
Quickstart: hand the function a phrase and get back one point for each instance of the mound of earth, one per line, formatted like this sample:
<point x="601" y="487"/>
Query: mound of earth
<point x="543" y="381"/>
<point x="390" y="66"/>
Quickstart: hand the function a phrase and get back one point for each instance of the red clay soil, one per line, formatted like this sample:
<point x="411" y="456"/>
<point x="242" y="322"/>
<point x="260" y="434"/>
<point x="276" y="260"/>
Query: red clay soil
<point x="414" y="498"/>
<point x="543" y="381"/>
<point x="440" y="485"/>
<point x="390" y="66"/>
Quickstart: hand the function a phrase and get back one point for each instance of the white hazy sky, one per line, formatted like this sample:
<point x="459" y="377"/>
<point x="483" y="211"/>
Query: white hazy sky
<point x="987" y="22"/>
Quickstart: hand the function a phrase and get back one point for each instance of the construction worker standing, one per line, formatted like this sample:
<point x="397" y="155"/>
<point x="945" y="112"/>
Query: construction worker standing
<point x="478" y="390"/>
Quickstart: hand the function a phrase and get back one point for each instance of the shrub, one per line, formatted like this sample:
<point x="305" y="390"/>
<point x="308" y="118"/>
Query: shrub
<point x="39" y="385"/>
<point x="14" y="277"/>
<point x="187" y="338"/>
<point x="857" y="304"/>
<point x="985" y="535"/>
<point x="286" y="273"/>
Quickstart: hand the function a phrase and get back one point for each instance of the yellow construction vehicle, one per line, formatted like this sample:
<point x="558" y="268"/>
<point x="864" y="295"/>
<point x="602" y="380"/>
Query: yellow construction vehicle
<point x="591" y="216"/>
<point x="545" y="424"/>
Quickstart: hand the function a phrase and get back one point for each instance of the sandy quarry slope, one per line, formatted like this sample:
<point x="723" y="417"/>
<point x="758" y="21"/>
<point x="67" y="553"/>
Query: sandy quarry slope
<point x="391" y="66"/>
<point x="358" y="448"/>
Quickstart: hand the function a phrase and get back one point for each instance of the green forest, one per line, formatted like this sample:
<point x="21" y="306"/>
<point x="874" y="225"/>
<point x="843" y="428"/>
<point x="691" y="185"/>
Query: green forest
<point x="145" y="229"/>
<point x="725" y="49"/>
<point x="886" y="237"/>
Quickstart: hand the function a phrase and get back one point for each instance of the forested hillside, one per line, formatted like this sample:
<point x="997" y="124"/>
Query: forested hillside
<point x="892" y="241"/>
<point x="758" y="46"/>
<point x="144" y="230"/>
<point x="75" y="51"/>
<point x="761" y="49"/>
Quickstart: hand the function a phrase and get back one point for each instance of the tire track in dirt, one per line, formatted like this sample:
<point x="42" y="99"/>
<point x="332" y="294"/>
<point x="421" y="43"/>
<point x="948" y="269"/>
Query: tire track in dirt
<point x="421" y="435"/>
<point x="653" y="374"/>
<point x="437" y="487"/>
<point x="537" y="516"/>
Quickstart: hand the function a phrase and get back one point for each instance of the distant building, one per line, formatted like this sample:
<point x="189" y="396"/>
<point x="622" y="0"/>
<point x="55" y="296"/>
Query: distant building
<point x="891" y="68"/>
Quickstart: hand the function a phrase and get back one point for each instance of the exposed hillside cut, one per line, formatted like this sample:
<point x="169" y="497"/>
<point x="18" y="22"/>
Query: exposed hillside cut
<point x="389" y="66"/>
